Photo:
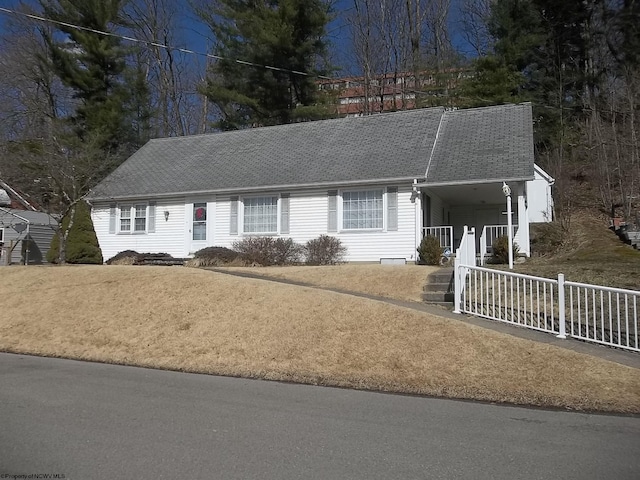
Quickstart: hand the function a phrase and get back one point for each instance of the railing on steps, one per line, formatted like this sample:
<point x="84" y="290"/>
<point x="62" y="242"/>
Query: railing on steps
<point x="465" y="257"/>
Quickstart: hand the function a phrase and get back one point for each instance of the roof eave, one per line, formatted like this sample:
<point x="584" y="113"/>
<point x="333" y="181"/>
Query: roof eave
<point x="264" y="188"/>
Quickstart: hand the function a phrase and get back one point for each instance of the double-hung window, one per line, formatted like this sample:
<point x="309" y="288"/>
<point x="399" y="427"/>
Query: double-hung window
<point x="260" y="215"/>
<point x="362" y="209"/>
<point x="125" y="218"/>
<point x="140" y="221"/>
<point x="133" y="218"/>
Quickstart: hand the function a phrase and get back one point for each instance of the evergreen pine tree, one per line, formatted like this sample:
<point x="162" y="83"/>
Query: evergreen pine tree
<point x="94" y="66"/>
<point x="82" y="242"/>
<point x="288" y="34"/>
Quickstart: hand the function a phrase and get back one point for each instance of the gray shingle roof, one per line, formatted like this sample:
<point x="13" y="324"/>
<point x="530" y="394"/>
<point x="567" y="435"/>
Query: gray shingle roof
<point x="347" y="150"/>
<point x="483" y="144"/>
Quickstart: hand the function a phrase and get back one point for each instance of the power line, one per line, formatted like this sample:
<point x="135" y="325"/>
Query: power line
<point x="392" y="88"/>
<point x="161" y="45"/>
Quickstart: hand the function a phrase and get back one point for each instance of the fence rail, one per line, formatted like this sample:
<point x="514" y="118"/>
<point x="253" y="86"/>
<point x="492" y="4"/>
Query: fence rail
<point x="444" y="234"/>
<point x="592" y="313"/>
<point x="489" y="235"/>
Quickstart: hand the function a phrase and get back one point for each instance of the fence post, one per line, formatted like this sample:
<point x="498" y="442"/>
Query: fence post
<point x="457" y="292"/>
<point x="561" y="313"/>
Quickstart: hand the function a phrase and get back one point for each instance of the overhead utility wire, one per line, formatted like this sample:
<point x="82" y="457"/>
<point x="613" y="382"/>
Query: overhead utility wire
<point x="185" y="50"/>
<point x="161" y="45"/>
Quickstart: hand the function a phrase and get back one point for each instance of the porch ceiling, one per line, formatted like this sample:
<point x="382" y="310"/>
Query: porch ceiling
<point x="475" y="194"/>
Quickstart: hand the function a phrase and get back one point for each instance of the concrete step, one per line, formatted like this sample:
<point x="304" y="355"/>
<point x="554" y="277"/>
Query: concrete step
<point x="437" y="297"/>
<point x="437" y="287"/>
<point x="443" y="275"/>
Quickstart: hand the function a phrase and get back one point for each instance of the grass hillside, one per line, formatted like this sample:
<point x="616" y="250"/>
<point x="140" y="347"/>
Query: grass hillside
<point x="200" y="321"/>
<point x="586" y="251"/>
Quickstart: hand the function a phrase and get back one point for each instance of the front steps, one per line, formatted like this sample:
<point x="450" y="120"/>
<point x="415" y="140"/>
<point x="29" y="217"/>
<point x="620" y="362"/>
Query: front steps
<point x="439" y="288"/>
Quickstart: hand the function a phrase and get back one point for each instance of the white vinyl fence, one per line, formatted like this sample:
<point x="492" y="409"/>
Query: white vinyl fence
<point x="604" y="315"/>
<point x="444" y="234"/>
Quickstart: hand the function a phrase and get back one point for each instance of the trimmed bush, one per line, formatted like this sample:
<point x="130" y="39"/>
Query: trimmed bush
<point x="286" y="252"/>
<point x="268" y="251"/>
<point x="324" y="250"/>
<point x="216" y="257"/>
<point x="256" y="250"/>
<point x="500" y="249"/>
<point x="430" y="250"/>
<point x="127" y="257"/>
<point x="82" y="243"/>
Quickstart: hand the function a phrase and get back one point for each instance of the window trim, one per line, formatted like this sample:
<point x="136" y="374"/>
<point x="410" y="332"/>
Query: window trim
<point x="132" y="207"/>
<point x="382" y="190"/>
<point x="241" y="215"/>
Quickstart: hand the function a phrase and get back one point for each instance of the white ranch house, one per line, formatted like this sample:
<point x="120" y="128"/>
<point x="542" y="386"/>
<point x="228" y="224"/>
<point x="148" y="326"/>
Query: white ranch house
<point x="378" y="183"/>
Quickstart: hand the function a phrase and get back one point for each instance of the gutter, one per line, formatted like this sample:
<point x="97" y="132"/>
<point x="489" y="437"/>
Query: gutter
<point x="264" y="188"/>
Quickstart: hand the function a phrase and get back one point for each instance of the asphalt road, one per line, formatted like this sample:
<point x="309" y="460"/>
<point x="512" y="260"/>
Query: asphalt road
<point x="93" y="421"/>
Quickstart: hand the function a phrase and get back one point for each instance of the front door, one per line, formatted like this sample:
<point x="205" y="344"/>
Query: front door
<point x="199" y="214"/>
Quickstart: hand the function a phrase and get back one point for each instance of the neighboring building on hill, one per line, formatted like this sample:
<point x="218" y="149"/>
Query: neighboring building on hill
<point x="392" y="91"/>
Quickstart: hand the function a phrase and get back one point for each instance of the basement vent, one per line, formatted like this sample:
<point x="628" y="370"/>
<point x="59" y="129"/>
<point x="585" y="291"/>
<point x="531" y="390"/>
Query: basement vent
<point x="393" y="261"/>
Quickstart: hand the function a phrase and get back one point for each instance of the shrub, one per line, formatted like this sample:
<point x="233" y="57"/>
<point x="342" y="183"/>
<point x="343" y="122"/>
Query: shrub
<point x="82" y="243"/>
<point x="430" y="250"/>
<point x="127" y="257"/>
<point x="500" y="248"/>
<point x="268" y="251"/>
<point x="256" y="250"/>
<point x="324" y="250"/>
<point x="286" y="251"/>
<point x="215" y="257"/>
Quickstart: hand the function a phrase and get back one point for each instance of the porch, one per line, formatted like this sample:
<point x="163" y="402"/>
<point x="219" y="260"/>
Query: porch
<point x="446" y="210"/>
<point x="484" y="243"/>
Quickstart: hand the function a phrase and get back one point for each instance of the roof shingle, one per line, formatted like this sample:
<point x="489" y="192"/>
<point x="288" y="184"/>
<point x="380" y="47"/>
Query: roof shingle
<point x="347" y="150"/>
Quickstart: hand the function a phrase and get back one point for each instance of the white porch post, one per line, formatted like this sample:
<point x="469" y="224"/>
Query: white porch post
<point x="523" y="220"/>
<point x="416" y="198"/>
<point x="507" y="193"/>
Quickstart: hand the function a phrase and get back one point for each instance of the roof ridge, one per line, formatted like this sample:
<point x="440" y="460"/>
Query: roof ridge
<point x="372" y="116"/>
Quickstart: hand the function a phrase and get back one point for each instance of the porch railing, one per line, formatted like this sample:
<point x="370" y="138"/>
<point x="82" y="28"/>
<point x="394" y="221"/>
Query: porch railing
<point x="444" y="234"/>
<point x="593" y="313"/>
<point x="488" y="236"/>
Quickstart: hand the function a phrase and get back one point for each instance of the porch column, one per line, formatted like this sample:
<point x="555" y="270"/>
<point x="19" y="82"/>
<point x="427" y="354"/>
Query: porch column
<point x="417" y="203"/>
<point x="523" y="220"/>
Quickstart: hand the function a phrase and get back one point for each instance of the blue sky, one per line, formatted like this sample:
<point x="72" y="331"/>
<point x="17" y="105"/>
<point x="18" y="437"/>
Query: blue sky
<point x="194" y="34"/>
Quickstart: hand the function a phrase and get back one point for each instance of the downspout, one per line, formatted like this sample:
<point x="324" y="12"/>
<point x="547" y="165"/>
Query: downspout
<point x="26" y="250"/>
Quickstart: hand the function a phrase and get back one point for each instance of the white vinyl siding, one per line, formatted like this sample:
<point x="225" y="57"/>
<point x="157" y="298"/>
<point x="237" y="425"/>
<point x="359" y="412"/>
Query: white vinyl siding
<point x="362" y="209"/>
<point x="169" y="236"/>
<point x="308" y="214"/>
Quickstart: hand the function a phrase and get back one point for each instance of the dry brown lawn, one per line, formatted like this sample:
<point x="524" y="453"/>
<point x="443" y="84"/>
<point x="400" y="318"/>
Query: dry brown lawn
<point x="401" y="282"/>
<point x="200" y="321"/>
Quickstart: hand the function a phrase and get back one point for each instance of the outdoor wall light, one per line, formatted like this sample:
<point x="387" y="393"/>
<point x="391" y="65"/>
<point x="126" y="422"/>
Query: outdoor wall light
<point x="166" y="215"/>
